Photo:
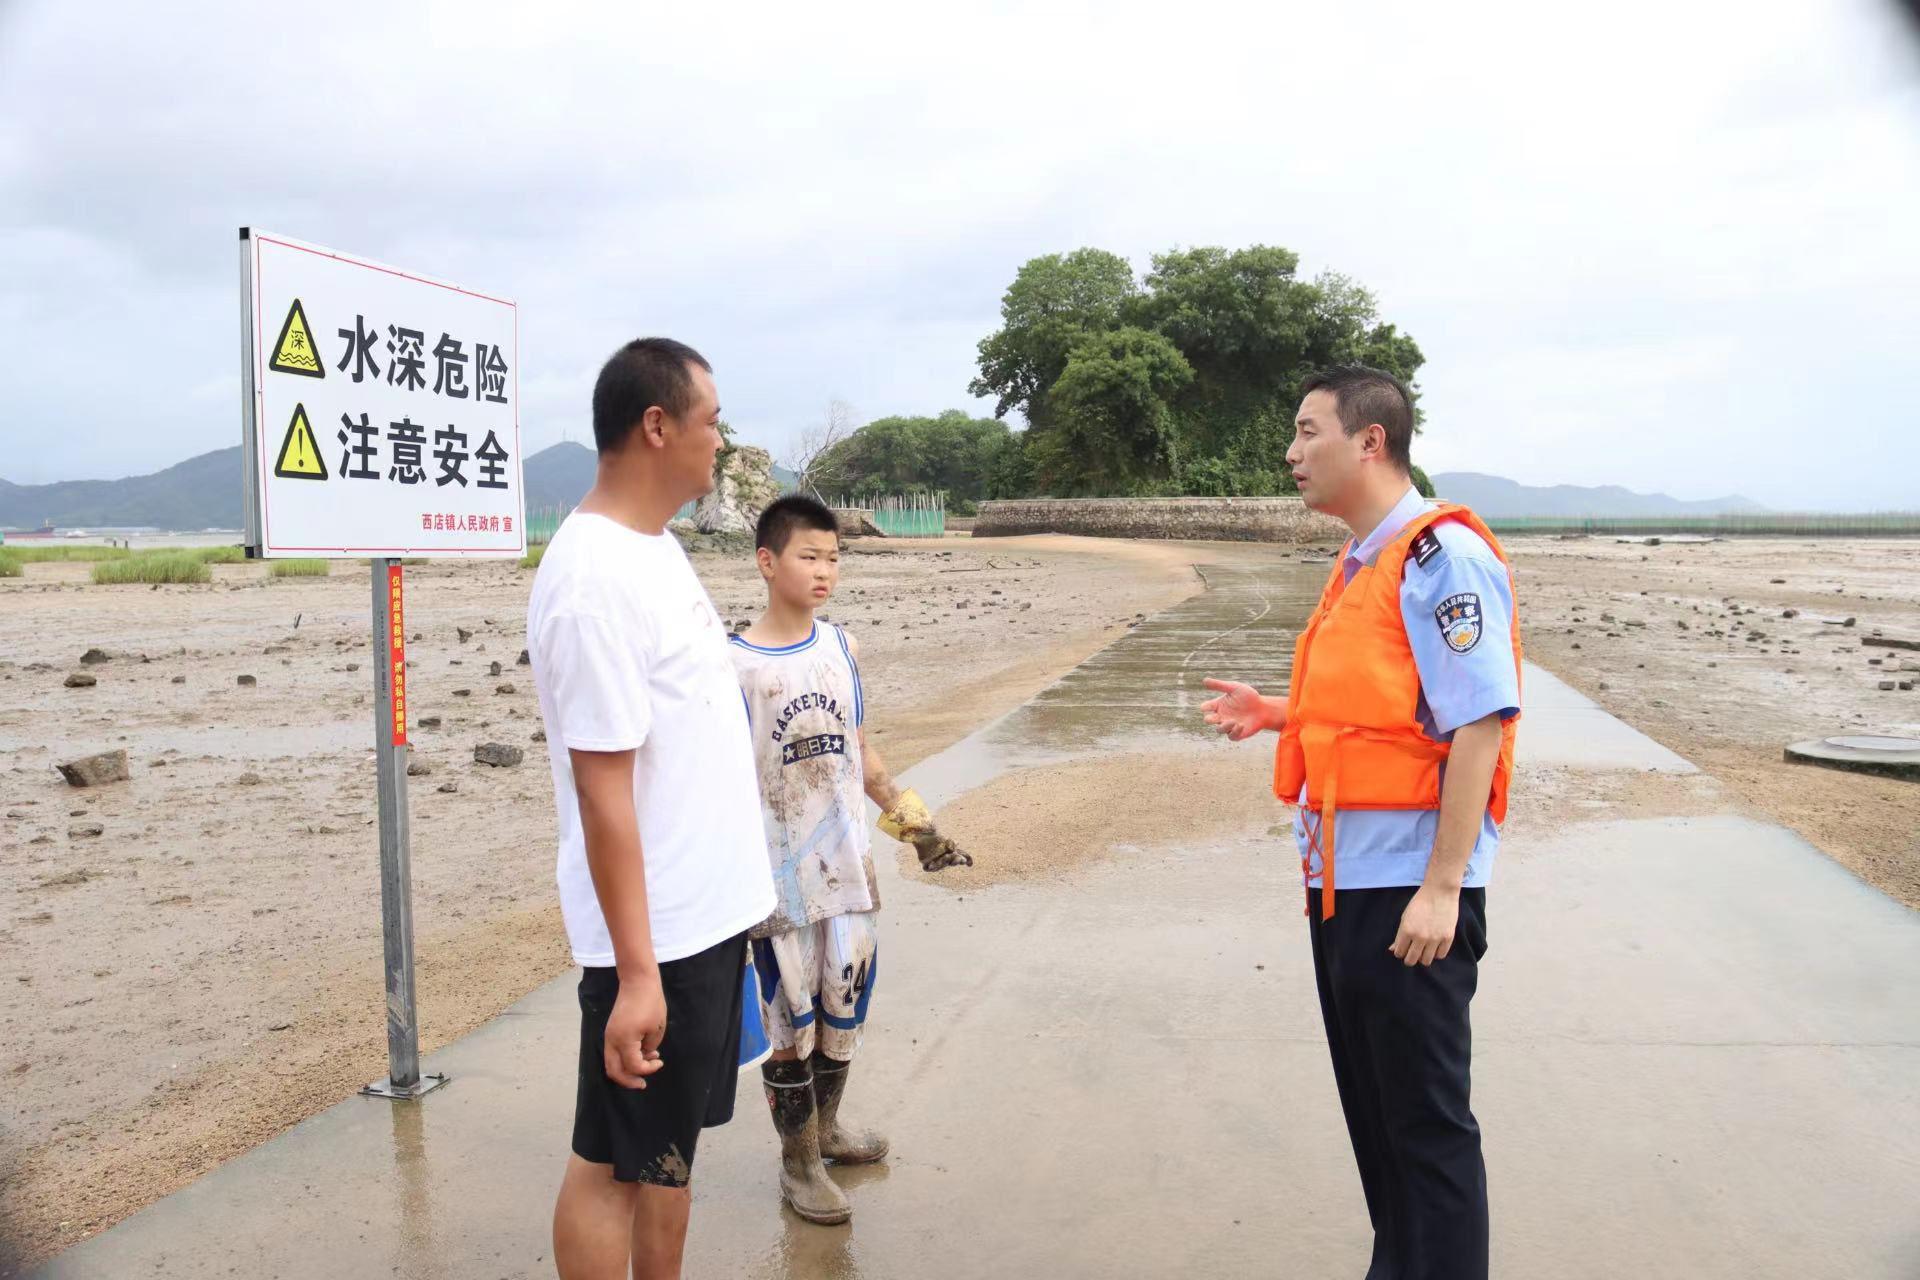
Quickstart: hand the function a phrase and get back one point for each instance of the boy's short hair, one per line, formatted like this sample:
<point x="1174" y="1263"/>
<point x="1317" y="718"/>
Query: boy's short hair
<point x="784" y="515"/>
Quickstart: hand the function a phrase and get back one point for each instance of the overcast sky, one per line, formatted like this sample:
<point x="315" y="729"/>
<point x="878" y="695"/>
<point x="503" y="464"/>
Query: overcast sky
<point x="1671" y="246"/>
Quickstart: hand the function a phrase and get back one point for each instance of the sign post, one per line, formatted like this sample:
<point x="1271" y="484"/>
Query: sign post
<point x="396" y="855"/>
<point x="380" y="420"/>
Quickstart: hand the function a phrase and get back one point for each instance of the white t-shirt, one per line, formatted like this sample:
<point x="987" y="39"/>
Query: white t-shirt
<point x="629" y="655"/>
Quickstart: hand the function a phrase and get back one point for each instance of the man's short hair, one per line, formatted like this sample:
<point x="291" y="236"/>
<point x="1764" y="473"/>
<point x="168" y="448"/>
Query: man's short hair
<point x="784" y="516"/>
<point x="644" y="373"/>
<point x="1365" y="396"/>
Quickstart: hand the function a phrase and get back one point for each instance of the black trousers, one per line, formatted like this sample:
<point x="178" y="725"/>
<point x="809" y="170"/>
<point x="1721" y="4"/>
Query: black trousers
<point x="1402" y="1055"/>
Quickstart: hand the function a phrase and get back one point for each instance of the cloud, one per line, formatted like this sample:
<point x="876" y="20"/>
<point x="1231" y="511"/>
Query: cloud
<point x="1653" y="245"/>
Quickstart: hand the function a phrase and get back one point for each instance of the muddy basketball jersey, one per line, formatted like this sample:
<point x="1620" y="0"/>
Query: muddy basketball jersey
<point x="804" y="706"/>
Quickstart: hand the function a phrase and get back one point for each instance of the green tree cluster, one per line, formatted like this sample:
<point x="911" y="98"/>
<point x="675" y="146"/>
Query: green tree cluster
<point x="1185" y="382"/>
<point x="952" y="453"/>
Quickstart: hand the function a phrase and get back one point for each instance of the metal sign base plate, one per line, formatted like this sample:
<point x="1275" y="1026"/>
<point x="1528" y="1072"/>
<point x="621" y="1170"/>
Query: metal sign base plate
<point x="387" y="1089"/>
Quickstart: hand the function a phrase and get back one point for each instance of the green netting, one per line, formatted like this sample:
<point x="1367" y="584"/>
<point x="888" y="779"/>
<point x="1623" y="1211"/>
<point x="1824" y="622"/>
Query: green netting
<point x="911" y="524"/>
<point x="902" y="515"/>
<point x="543" y="521"/>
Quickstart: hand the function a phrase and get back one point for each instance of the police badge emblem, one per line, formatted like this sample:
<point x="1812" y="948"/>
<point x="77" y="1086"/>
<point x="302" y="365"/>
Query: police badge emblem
<point x="1459" y="621"/>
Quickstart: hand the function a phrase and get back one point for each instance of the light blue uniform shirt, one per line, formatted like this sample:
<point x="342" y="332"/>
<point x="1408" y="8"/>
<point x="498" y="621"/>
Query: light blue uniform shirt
<point x="1465" y="675"/>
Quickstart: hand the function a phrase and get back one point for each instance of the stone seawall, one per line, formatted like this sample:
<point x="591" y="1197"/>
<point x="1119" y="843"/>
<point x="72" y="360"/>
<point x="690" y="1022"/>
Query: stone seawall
<point x="1198" y="519"/>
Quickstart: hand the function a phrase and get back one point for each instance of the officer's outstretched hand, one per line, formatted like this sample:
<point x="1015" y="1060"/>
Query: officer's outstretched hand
<point x="1427" y="926"/>
<point x="1238" y="712"/>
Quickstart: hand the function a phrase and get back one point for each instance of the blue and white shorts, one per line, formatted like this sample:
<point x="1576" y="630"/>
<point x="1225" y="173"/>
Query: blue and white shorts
<point x="815" y="982"/>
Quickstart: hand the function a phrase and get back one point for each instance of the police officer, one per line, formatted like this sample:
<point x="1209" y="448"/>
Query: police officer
<point x="1396" y="742"/>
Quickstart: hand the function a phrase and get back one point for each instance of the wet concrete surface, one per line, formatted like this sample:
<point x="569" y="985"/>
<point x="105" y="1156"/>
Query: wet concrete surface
<point x="1147" y="684"/>
<point x="1560" y="726"/>
<point x="1698" y="1055"/>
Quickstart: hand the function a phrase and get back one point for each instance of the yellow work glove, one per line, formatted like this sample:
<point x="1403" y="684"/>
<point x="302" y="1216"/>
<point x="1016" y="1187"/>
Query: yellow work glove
<point x="911" y="822"/>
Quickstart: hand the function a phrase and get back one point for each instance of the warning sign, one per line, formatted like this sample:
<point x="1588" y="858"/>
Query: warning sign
<point x="299" y="454"/>
<point x="295" y="352"/>
<point x="398" y="434"/>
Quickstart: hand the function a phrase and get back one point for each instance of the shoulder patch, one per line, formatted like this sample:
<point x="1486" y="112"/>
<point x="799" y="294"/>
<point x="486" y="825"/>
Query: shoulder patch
<point x="1458" y="617"/>
<point x="1425" y="547"/>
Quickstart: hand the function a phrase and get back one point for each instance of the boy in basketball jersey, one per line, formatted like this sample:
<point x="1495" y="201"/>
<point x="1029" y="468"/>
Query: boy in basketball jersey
<point x="815" y="955"/>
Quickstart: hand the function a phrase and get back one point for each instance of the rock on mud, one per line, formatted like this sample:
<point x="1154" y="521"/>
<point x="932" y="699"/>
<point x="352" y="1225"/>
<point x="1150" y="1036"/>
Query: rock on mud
<point x="498" y="754"/>
<point x="96" y="770"/>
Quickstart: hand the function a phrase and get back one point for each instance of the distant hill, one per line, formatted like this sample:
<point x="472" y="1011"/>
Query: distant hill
<point x="1493" y="496"/>
<point x="560" y="476"/>
<point x="204" y="493"/>
<point x="200" y="493"/>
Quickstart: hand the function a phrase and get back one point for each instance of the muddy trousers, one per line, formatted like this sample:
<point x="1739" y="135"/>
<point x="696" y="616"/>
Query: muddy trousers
<point x="1402" y="1053"/>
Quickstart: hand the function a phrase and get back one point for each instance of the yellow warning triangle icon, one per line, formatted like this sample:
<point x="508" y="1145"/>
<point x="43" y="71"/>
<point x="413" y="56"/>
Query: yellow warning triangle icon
<point x="295" y="352"/>
<point x="299" y="452"/>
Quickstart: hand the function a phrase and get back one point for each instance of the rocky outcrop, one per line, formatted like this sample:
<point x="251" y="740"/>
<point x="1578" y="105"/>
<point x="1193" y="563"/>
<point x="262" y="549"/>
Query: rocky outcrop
<point x="857" y="522"/>
<point x="743" y="486"/>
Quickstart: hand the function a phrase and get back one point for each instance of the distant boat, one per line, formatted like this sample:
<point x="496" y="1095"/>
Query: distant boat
<point x="46" y="530"/>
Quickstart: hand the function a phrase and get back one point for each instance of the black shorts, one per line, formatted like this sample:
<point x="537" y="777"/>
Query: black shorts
<point x="648" y="1135"/>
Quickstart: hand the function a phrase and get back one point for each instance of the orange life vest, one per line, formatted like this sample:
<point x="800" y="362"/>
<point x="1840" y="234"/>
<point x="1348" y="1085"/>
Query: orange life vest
<point x="1353" y="738"/>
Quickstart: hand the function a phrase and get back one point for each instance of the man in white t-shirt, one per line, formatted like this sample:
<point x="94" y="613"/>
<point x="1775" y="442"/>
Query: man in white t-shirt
<point x="663" y="862"/>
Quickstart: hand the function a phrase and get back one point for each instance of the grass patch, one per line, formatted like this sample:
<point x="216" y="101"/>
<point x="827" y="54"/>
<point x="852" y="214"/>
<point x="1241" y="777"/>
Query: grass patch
<point x="67" y="554"/>
<point x="10" y="566"/>
<point x="153" y="566"/>
<point x="303" y="568"/>
<point x="25" y="554"/>
<point x="531" y="560"/>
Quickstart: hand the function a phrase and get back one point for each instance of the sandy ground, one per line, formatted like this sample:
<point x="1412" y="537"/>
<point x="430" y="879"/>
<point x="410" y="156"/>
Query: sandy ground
<point x="1043" y="822"/>
<point x="1689" y="643"/>
<point x="206" y="972"/>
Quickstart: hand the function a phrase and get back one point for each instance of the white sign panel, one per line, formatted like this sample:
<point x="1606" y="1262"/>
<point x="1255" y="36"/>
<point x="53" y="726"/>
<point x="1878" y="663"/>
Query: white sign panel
<point x="384" y="409"/>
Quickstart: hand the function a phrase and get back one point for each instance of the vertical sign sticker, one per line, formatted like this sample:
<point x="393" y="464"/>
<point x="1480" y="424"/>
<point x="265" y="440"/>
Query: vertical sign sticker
<point x="399" y="641"/>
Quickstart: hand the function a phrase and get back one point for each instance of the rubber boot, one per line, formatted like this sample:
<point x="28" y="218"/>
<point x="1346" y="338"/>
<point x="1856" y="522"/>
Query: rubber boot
<point x="804" y="1183"/>
<point x="839" y="1143"/>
